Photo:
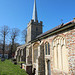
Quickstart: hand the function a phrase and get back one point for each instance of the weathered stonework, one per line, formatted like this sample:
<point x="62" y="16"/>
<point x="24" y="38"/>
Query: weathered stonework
<point x="33" y="30"/>
<point x="69" y="35"/>
<point x="62" y="48"/>
<point x="20" y="53"/>
<point x="30" y="56"/>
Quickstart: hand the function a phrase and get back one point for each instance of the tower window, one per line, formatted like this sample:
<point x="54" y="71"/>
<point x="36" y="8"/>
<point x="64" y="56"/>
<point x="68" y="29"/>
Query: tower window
<point x="36" y="29"/>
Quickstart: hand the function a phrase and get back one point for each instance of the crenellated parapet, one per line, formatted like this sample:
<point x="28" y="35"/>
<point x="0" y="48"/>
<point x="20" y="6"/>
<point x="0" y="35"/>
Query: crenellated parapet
<point x="32" y="22"/>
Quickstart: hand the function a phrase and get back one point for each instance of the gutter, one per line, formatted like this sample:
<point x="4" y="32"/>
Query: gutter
<point x="53" y="32"/>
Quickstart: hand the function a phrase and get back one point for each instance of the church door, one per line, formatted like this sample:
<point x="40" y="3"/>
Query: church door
<point x="48" y="68"/>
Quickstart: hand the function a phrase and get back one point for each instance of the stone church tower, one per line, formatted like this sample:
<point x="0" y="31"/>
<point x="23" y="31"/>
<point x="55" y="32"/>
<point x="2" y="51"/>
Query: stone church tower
<point x="34" y="28"/>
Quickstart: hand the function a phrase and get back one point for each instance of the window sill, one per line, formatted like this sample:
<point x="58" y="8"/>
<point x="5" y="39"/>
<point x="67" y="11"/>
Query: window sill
<point x="47" y="57"/>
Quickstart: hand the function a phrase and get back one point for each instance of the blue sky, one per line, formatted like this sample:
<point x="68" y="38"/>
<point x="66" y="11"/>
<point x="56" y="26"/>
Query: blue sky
<point x="18" y="13"/>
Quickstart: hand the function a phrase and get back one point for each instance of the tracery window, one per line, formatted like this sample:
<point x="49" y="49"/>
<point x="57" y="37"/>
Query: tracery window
<point x="35" y="52"/>
<point x="60" y="54"/>
<point x="47" y="48"/>
<point x="21" y="52"/>
<point x="35" y="55"/>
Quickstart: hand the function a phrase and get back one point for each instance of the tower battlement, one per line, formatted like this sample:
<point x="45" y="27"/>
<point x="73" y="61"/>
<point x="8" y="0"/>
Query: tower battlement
<point x="35" y="22"/>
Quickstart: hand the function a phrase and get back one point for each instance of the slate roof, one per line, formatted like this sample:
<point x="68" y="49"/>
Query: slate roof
<point x="22" y="46"/>
<point x="55" y="28"/>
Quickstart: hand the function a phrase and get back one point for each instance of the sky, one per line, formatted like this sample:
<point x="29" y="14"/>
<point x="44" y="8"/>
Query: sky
<point x="18" y="13"/>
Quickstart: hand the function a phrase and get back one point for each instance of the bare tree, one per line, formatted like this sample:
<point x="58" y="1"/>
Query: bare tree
<point x="4" y="32"/>
<point x="24" y="35"/>
<point x="14" y="34"/>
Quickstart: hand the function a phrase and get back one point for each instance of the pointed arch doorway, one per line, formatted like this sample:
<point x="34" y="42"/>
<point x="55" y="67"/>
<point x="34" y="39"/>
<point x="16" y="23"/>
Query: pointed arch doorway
<point x="48" y="67"/>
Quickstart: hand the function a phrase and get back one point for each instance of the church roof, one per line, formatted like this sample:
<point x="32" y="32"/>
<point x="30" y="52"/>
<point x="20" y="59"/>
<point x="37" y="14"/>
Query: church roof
<point x="54" y="29"/>
<point x="35" y="12"/>
<point x="22" y="46"/>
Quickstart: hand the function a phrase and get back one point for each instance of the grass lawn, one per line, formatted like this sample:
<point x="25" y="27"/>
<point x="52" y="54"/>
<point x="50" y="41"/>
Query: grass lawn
<point x="8" y="68"/>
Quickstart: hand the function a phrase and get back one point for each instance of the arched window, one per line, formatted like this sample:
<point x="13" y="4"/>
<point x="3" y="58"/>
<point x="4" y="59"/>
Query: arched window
<point x="35" y="52"/>
<point x="60" y="54"/>
<point x="47" y="48"/>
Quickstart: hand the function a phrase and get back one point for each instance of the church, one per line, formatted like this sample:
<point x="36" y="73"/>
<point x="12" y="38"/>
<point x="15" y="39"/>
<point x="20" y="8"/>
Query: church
<point x="49" y="53"/>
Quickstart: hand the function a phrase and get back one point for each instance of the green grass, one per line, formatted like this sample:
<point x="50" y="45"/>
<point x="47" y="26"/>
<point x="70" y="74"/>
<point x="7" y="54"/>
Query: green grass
<point x="8" y="68"/>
